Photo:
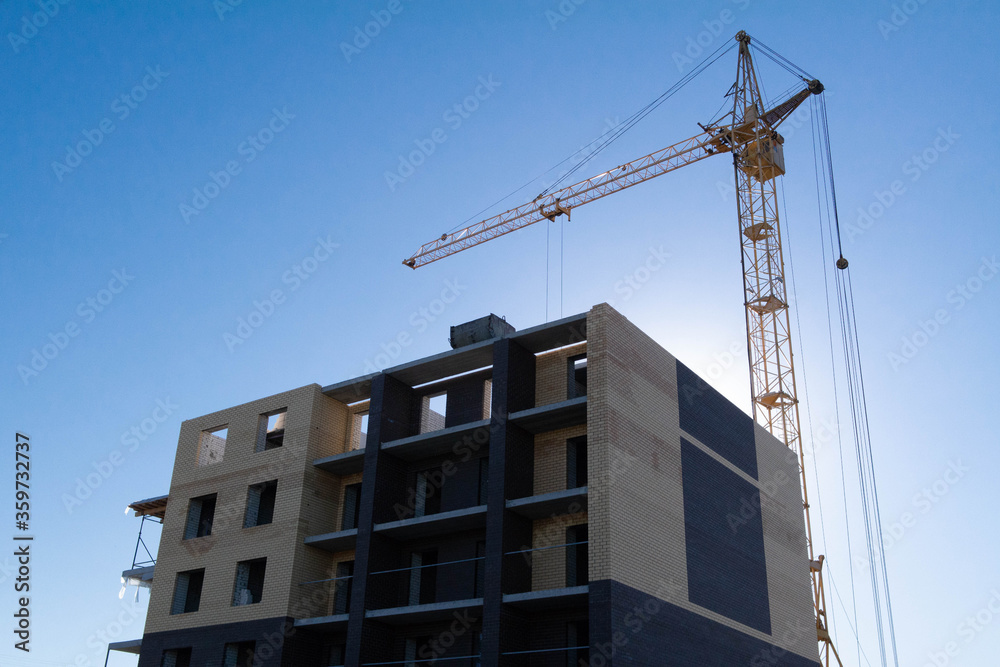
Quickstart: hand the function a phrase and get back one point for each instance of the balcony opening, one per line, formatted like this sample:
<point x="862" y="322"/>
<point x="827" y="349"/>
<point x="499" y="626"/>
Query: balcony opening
<point x="201" y="514"/>
<point x="412" y="648"/>
<point x="176" y="657"/>
<point x="352" y="506"/>
<point x="480" y="569"/>
<point x="576" y="462"/>
<point x="484" y="480"/>
<point x="577" y="556"/>
<point x="433" y="411"/>
<point x="576" y="368"/>
<point x="212" y="445"/>
<point x="335" y="654"/>
<point x="187" y="591"/>
<point x="271" y="430"/>
<point x="359" y="431"/>
<point x="423" y="577"/>
<point x="342" y="589"/>
<point x="427" y="497"/>
<point x="240" y="654"/>
<point x="578" y="643"/>
<point x="260" y="504"/>
<point x="249" y="588"/>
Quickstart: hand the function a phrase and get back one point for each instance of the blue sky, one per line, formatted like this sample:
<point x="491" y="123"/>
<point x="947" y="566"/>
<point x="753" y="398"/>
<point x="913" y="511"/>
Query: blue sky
<point x="279" y="130"/>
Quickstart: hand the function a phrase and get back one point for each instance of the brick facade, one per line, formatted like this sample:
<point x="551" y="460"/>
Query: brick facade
<point x="463" y="516"/>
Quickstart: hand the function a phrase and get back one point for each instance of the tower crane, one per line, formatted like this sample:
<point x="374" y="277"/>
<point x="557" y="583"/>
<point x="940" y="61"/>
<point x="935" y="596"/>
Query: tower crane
<point x="751" y="137"/>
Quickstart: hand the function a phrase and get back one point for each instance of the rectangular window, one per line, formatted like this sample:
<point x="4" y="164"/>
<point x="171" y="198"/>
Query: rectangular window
<point x="576" y="376"/>
<point x="480" y="569"/>
<point x="351" y="507"/>
<point x="187" y="591"/>
<point x="484" y="479"/>
<point x="477" y="649"/>
<point x="359" y="430"/>
<point x="239" y="654"/>
<point x="577" y="556"/>
<point x="423" y="576"/>
<point x="335" y="654"/>
<point x="433" y="412"/>
<point x="342" y="588"/>
<point x="576" y="462"/>
<point x="260" y="504"/>
<point x="249" y="586"/>
<point x="201" y="514"/>
<point x="578" y="642"/>
<point x="176" y="657"/>
<point x="271" y="430"/>
<point x="415" y="646"/>
<point x="428" y="495"/>
<point x="212" y="445"/>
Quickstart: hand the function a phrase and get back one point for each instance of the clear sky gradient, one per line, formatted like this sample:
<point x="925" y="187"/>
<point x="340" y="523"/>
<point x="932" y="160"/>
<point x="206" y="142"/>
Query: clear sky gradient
<point x="170" y="168"/>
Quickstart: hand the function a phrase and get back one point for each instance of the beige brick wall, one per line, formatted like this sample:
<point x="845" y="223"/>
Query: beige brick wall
<point x="550" y="458"/>
<point x="551" y="373"/>
<point x="316" y="426"/>
<point x="548" y="567"/>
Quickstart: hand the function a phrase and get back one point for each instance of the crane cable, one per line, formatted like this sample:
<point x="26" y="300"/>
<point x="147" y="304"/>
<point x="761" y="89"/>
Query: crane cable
<point x="858" y="403"/>
<point x="632" y="120"/>
<point x="820" y="196"/>
<point x="605" y="140"/>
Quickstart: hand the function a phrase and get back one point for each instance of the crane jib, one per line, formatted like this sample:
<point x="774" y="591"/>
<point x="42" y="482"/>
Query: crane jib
<point x="715" y="139"/>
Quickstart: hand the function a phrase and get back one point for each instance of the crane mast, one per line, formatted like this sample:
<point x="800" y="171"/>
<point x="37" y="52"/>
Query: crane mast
<point x="758" y="160"/>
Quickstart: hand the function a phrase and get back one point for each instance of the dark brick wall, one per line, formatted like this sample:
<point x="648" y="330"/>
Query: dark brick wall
<point x="726" y="566"/>
<point x="277" y="643"/>
<point x="639" y="629"/>
<point x="465" y="402"/>
<point x="384" y="484"/>
<point x="717" y="423"/>
<point x="510" y="451"/>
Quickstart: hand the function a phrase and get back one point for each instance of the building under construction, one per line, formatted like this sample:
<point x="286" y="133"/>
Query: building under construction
<point x="568" y="494"/>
